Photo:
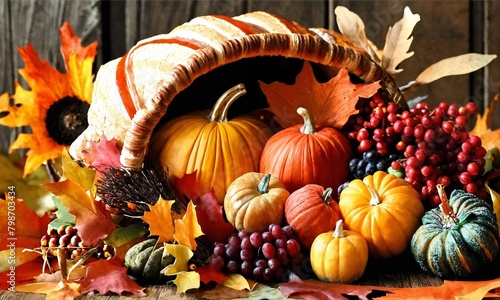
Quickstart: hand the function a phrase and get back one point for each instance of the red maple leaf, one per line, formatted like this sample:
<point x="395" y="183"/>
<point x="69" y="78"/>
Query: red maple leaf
<point x="208" y="211"/>
<point x="110" y="275"/>
<point x="92" y="219"/>
<point x="209" y="274"/>
<point x="210" y="218"/>
<point x="331" y="103"/>
<point x="103" y="154"/>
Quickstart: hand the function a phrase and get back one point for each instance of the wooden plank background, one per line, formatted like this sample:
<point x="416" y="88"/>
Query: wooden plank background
<point x="447" y="28"/>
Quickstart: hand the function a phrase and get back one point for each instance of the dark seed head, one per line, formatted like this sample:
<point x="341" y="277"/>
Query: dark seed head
<point x="66" y="119"/>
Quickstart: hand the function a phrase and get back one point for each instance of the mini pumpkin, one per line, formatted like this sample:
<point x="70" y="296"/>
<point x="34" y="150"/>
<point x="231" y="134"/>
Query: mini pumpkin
<point x="218" y="149"/>
<point x="384" y="209"/>
<point x="145" y="261"/>
<point x="254" y="201"/>
<point x="339" y="256"/>
<point x="458" y="237"/>
<point x="303" y="154"/>
<point x="310" y="211"/>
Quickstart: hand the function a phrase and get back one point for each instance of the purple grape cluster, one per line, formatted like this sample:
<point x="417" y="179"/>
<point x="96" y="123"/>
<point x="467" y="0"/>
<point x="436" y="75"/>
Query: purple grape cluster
<point x="261" y="256"/>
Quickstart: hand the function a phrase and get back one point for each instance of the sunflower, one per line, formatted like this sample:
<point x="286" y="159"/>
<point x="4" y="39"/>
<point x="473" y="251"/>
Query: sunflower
<point x="56" y="105"/>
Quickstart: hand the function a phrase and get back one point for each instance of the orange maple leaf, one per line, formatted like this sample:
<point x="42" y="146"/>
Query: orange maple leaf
<point x="160" y="220"/>
<point x="330" y="103"/>
<point x="187" y="229"/>
<point x="92" y="219"/>
<point x="109" y="276"/>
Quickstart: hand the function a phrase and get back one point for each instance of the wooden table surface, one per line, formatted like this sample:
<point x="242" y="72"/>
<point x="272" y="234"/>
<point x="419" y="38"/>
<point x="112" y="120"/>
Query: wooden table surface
<point x="400" y="271"/>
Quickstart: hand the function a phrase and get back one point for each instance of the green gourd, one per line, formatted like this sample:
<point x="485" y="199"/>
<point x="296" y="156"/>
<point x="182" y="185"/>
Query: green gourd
<point x="458" y="237"/>
<point x="146" y="260"/>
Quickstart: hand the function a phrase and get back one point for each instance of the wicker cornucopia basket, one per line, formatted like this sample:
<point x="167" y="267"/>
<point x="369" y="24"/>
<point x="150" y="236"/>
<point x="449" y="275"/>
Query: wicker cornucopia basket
<point x="132" y="93"/>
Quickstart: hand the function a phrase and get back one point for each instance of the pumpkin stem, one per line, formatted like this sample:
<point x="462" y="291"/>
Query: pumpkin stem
<point x="449" y="217"/>
<point x="263" y="186"/>
<point x="326" y="195"/>
<point x="221" y="106"/>
<point x="374" y="196"/>
<point x="339" y="229"/>
<point x="309" y="127"/>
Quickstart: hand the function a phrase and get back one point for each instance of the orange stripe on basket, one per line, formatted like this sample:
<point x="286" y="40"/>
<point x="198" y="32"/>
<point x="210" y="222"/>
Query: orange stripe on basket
<point x="245" y="27"/>
<point x="121" y="73"/>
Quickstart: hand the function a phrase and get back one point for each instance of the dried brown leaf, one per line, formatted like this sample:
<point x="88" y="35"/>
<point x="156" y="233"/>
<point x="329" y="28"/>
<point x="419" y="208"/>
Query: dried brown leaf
<point x="456" y="65"/>
<point x="351" y="26"/>
<point x="398" y="42"/>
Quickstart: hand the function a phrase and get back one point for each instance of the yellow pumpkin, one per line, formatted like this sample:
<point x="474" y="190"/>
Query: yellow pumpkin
<point x="339" y="256"/>
<point x="254" y="201"/>
<point x="218" y="149"/>
<point x="385" y="210"/>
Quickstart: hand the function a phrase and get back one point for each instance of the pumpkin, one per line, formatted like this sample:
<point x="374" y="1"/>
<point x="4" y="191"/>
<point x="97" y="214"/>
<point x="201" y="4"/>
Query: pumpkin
<point x="458" y="237"/>
<point x="145" y="261"/>
<point x="385" y="210"/>
<point x="303" y="154"/>
<point x="310" y="211"/>
<point x="207" y="143"/>
<point x="339" y="256"/>
<point x="254" y="201"/>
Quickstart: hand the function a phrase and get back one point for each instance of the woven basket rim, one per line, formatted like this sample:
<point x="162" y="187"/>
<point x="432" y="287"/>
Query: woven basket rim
<point x="291" y="45"/>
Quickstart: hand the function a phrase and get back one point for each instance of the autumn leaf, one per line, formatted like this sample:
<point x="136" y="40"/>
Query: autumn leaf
<point x="330" y="103"/>
<point x="398" y="42"/>
<point x="182" y="255"/>
<point x="188" y="185"/>
<point x="352" y="27"/>
<point x="456" y="65"/>
<point x="495" y="198"/>
<point x="92" y="219"/>
<point x="238" y="282"/>
<point x="186" y="281"/>
<point x="103" y="154"/>
<point x="210" y="218"/>
<point x="62" y="290"/>
<point x="209" y="274"/>
<point x="124" y="235"/>
<point x="84" y="177"/>
<point x="109" y="275"/>
<point x="160" y="220"/>
<point x="63" y="217"/>
<point x="490" y="138"/>
<point x="187" y="229"/>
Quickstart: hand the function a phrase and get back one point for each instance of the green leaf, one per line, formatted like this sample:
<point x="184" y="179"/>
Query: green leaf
<point x="84" y="177"/>
<point x="123" y="235"/>
<point x="62" y="214"/>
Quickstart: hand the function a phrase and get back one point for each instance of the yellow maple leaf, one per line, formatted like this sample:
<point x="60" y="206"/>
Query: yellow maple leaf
<point x="187" y="229"/>
<point x="182" y="255"/>
<point x="160" y="220"/>
<point x="186" y="281"/>
<point x="490" y="138"/>
<point x="238" y="282"/>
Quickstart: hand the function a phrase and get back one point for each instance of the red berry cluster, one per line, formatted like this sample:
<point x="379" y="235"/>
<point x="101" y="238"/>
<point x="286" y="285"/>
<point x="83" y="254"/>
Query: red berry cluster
<point x="436" y="146"/>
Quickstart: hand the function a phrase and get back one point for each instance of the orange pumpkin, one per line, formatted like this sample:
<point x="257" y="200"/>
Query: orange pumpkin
<point x="311" y="211"/>
<point x="217" y="149"/>
<point x="304" y="154"/>
<point x="385" y="210"/>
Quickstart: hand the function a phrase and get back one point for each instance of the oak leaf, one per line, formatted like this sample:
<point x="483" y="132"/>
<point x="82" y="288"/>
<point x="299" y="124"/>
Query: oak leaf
<point x="109" y="276"/>
<point x="92" y="219"/>
<point x="63" y="217"/>
<point x="160" y="220"/>
<point x="331" y="103"/>
<point x="398" y="42"/>
<point x="188" y="228"/>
